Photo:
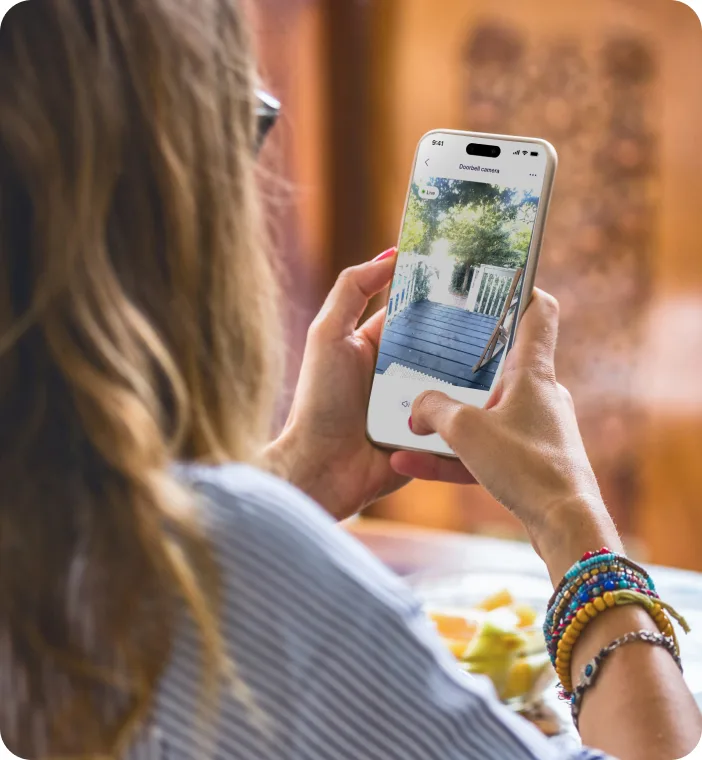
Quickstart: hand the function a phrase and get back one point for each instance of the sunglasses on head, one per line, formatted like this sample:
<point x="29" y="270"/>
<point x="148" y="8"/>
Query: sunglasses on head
<point x="267" y="113"/>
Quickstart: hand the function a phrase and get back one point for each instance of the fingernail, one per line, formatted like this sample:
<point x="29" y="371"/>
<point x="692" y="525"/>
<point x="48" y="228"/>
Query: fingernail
<point x="409" y="422"/>
<point x="386" y="254"/>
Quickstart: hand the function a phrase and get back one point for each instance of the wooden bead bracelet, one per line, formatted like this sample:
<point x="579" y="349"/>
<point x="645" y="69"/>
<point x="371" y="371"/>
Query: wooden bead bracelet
<point x="656" y="609"/>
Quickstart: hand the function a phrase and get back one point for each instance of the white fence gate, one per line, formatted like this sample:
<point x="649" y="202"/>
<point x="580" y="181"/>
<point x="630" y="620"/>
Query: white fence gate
<point x="489" y="289"/>
<point x="404" y="283"/>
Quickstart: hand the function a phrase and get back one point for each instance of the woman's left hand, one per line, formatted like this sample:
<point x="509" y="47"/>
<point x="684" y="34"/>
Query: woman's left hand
<point x="323" y="449"/>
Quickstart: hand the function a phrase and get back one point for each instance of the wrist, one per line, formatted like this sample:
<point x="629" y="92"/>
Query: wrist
<point x="286" y="459"/>
<point x="571" y="527"/>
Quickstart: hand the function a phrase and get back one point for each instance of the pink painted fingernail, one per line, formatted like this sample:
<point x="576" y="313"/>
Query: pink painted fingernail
<point x="409" y="422"/>
<point x="385" y="255"/>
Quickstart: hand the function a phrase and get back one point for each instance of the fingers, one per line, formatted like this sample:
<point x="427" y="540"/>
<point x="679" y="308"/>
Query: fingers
<point x="537" y="336"/>
<point x="429" y="467"/>
<point x="435" y="412"/>
<point x="350" y="295"/>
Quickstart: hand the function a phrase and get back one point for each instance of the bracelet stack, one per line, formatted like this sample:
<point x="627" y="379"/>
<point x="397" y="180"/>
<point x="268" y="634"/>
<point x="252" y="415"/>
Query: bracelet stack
<point x="600" y="581"/>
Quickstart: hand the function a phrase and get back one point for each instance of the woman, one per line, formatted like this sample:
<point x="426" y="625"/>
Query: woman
<point x="150" y="609"/>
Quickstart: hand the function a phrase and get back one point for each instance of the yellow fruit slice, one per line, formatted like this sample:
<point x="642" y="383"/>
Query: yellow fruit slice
<point x="526" y="615"/>
<point x="494" y="602"/>
<point x="455" y="631"/>
<point x="519" y="681"/>
<point x="454" y="627"/>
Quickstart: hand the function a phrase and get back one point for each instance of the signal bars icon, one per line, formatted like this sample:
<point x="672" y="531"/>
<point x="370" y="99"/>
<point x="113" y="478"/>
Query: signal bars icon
<point x="520" y="153"/>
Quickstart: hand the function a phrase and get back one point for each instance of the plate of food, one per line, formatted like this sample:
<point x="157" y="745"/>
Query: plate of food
<point x="492" y="624"/>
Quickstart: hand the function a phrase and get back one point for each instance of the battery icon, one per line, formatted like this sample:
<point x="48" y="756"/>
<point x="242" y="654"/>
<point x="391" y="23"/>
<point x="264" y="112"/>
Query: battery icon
<point x="534" y="153"/>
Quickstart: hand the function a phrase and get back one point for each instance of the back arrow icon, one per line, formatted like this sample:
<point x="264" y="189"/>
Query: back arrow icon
<point x="426" y="163"/>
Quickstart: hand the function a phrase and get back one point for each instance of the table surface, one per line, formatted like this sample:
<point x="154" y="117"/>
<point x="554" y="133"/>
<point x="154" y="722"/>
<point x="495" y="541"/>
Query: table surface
<point x="411" y="550"/>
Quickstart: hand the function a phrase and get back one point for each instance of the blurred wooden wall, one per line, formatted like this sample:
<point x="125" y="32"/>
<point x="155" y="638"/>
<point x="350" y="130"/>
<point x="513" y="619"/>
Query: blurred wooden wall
<point x="617" y="86"/>
<point x="669" y="516"/>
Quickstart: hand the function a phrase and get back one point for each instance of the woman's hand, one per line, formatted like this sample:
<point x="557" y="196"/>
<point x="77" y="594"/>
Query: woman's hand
<point x="324" y="450"/>
<point x="524" y="447"/>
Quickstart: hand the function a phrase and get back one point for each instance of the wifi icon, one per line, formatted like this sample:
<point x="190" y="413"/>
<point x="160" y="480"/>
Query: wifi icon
<point x="524" y="152"/>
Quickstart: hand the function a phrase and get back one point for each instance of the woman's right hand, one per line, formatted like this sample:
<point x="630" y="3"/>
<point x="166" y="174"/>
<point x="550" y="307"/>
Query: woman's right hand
<point x="524" y="447"/>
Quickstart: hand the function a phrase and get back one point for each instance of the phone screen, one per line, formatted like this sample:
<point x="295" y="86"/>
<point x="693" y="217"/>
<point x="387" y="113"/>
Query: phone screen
<point x="463" y="258"/>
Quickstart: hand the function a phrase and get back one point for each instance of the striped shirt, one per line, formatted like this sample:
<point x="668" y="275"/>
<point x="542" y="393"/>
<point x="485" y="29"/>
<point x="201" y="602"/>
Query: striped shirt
<point x="334" y="658"/>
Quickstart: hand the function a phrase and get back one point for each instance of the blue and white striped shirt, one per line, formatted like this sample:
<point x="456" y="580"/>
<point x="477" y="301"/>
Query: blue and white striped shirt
<point x="338" y="661"/>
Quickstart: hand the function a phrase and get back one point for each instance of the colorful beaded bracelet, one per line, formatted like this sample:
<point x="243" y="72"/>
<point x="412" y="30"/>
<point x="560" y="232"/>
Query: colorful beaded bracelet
<point x="591" y="558"/>
<point x="600" y="580"/>
<point x="589" y="586"/>
<point x="598" y="566"/>
<point x="612" y="578"/>
<point x="592" y="670"/>
<point x="558" y="619"/>
<point x="656" y="609"/>
<point x="566" y="613"/>
<point x="587" y="571"/>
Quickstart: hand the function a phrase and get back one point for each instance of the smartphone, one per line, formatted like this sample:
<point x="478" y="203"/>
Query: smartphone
<point x="468" y="253"/>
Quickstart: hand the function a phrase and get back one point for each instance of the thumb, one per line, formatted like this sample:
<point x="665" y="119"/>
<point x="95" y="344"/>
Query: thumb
<point x="456" y="423"/>
<point x="537" y="336"/>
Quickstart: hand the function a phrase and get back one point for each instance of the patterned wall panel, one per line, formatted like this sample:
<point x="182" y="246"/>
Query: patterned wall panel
<point x="597" y="105"/>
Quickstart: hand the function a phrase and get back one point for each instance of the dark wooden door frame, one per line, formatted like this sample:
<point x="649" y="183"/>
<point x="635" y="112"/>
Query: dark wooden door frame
<point x="347" y="61"/>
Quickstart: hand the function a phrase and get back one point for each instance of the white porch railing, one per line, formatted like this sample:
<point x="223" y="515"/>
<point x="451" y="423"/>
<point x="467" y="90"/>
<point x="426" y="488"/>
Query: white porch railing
<point x="403" y="284"/>
<point x="489" y="289"/>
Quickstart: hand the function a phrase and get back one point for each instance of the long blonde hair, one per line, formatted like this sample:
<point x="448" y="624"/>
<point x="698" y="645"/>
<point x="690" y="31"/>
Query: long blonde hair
<point x="137" y="318"/>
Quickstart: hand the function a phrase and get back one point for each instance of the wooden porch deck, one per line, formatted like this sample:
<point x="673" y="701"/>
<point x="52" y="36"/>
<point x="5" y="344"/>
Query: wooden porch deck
<point x="441" y="341"/>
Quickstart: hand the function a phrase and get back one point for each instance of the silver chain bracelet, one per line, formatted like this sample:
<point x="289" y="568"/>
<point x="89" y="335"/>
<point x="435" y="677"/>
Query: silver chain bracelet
<point x="592" y="670"/>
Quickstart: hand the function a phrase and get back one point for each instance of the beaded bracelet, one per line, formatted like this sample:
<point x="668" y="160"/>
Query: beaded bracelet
<point x="597" y="571"/>
<point x="600" y="580"/>
<point x="593" y="558"/>
<point x="592" y="670"/>
<point x="586" y="589"/>
<point x="609" y="577"/>
<point x="656" y="609"/>
<point x="568" y="614"/>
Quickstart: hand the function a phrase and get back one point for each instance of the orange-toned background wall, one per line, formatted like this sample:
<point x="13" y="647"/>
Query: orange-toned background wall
<point x="362" y="81"/>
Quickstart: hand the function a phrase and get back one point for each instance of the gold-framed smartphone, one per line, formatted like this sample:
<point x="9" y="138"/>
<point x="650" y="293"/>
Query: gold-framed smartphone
<point x="468" y="252"/>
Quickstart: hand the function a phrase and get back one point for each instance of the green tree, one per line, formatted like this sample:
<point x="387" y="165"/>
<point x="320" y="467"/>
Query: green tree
<point x="460" y="277"/>
<point x="414" y="230"/>
<point x="480" y="237"/>
<point x="424" y="217"/>
<point x="455" y="212"/>
<point x="520" y="242"/>
<point x="422" y="285"/>
<point x="455" y="193"/>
